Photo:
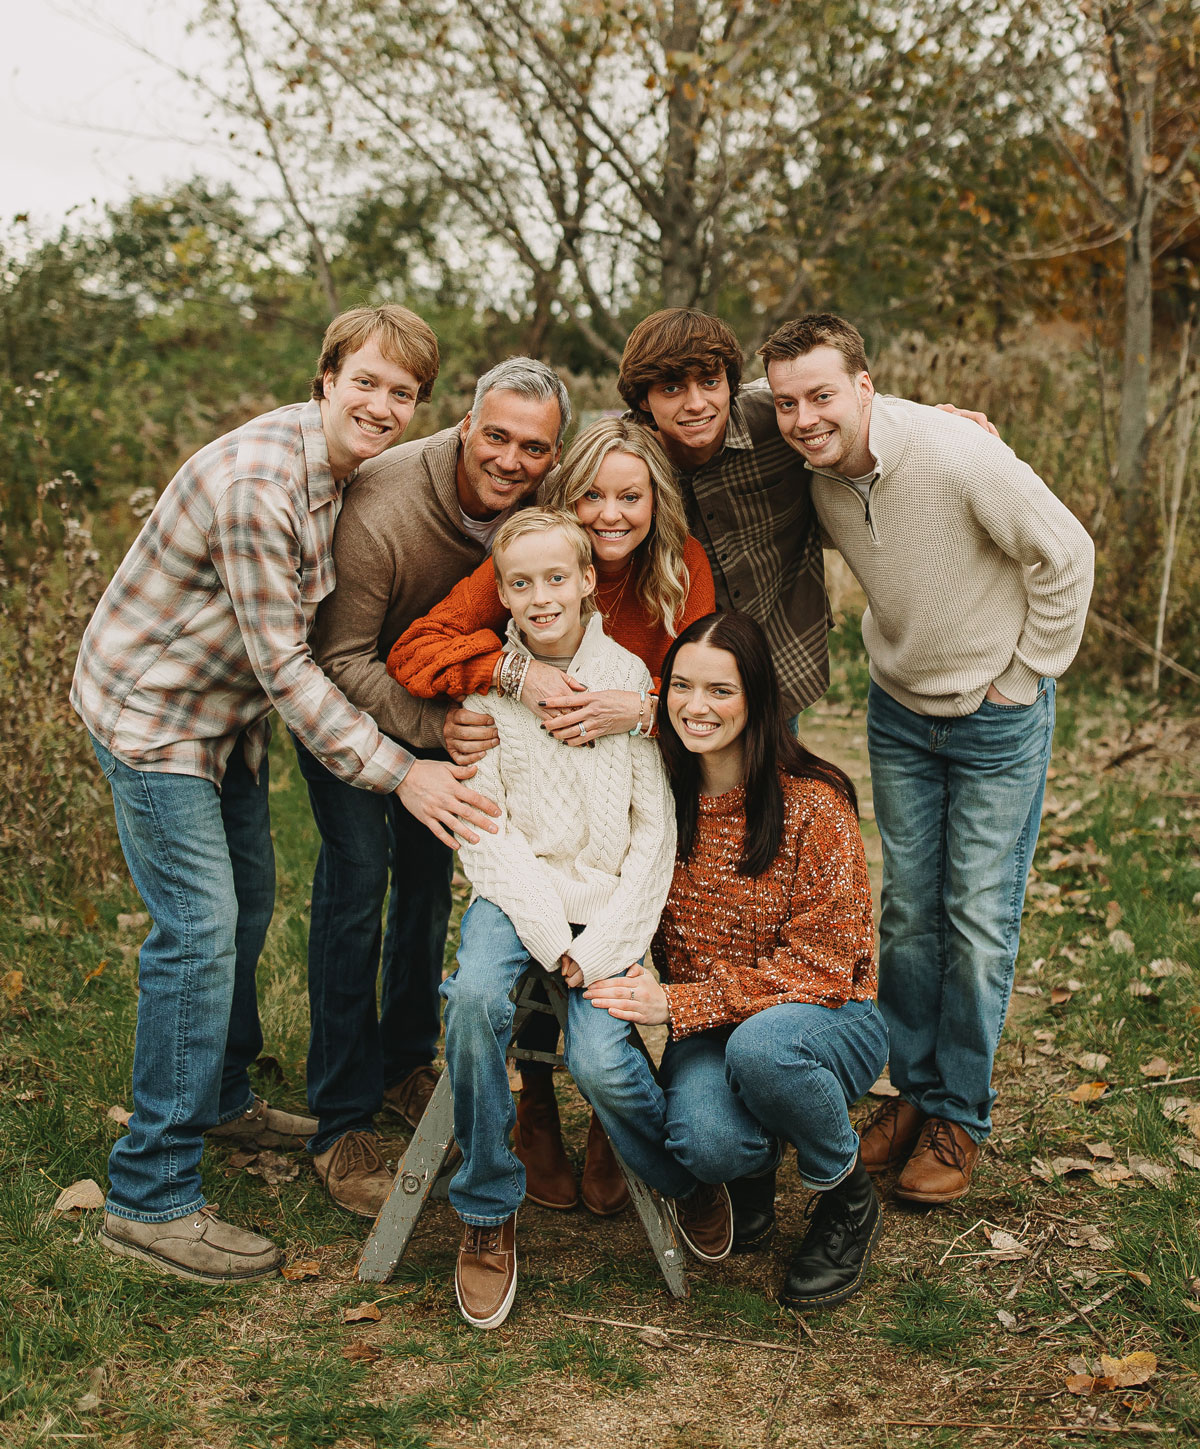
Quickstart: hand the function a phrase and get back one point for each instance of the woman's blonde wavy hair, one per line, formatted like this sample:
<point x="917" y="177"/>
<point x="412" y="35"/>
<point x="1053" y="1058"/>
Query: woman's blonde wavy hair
<point x="662" y="576"/>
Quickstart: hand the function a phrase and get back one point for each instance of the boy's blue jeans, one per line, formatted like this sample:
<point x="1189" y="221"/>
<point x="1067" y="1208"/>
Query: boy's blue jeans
<point x="608" y="1069"/>
<point x="958" y="803"/>
<point x="203" y="863"/>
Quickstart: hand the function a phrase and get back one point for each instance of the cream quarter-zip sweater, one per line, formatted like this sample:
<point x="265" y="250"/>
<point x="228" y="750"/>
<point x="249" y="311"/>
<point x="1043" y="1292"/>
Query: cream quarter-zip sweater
<point x="974" y="572"/>
<point x="587" y="836"/>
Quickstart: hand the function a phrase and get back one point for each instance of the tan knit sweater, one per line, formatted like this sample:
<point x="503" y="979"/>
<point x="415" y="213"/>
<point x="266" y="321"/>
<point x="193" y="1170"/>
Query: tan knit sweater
<point x="975" y="573"/>
<point x="587" y="835"/>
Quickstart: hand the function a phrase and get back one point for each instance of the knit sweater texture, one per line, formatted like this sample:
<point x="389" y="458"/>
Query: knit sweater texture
<point x="586" y="836"/>
<point x="974" y="572"/>
<point x="731" y="945"/>
<point x="453" y="649"/>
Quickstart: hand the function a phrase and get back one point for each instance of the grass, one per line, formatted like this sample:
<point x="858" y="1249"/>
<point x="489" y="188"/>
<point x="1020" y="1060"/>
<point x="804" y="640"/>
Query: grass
<point x="98" y="1350"/>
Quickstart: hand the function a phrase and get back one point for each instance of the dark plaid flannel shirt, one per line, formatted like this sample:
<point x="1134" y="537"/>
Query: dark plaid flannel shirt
<point x="204" y="627"/>
<point x="749" y="506"/>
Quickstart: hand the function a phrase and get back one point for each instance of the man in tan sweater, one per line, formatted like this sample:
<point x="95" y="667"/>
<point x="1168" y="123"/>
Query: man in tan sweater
<point x="977" y="581"/>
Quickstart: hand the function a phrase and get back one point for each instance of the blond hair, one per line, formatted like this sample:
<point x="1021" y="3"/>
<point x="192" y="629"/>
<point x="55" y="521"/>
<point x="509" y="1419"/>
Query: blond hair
<point x="662" y="576"/>
<point x="527" y="521"/>
<point x="402" y="337"/>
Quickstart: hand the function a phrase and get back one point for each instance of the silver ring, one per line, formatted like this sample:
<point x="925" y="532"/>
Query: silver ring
<point x="632" y="995"/>
<point x="583" y="731"/>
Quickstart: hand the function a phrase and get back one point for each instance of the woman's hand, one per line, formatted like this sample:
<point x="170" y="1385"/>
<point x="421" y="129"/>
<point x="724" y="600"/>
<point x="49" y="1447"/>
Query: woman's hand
<point x="600" y="712"/>
<point x="542" y="681"/>
<point x="636" y="996"/>
<point x="572" y="972"/>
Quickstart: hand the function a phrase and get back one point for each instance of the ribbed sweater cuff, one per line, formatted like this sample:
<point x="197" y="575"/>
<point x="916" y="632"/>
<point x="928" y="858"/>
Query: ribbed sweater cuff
<point x="1018" y="682"/>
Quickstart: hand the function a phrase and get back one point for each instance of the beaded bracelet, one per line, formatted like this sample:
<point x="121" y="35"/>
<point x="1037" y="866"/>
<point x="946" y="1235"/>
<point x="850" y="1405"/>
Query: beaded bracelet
<point x="638" y="728"/>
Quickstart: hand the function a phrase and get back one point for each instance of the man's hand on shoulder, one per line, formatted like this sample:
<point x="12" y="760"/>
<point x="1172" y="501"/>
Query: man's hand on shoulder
<point x="469" y="735"/>
<point x="980" y="418"/>
<point x="434" y="793"/>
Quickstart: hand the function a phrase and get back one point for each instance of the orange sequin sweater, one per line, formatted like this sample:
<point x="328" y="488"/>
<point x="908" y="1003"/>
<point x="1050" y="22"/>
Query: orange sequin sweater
<point x="730" y="945"/>
<point x="454" y="648"/>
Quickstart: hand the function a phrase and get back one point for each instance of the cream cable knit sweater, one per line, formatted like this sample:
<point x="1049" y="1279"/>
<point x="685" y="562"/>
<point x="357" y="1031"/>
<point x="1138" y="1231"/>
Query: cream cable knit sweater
<point x="587" y="836"/>
<point x="974" y="571"/>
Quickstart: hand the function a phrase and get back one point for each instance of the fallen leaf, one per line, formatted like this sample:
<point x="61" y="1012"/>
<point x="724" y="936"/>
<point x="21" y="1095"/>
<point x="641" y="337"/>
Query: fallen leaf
<point x="1064" y="1166"/>
<point x="362" y="1313"/>
<point x="359" y="1351"/>
<point x="1091" y="1061"/>
<point x="119" y="1114"/>
<point x="243" y="1157"/>
<point x="1088" y="1091"/>
<point x="1100" y="1149"/>
<point x="1059" y="995"/>
<point x="12" y="983"/>
<point x="1086" y="1384"/>
<point x="1128" y="1372"/>
<point x="1029" y="991"/>
<point x="94" y="972"/>
<point x="1142" y="1278"/>
<point x="39" y="923"/>
<point x="1155" y="1173"/>
<point x="1176" y="1109"/>
<point x="1167" y="966"/>
<point x="1007" y="1320"/>
<point x="1089" y="1236"/>
<point x="883" y="1088"/>
<point x="1110" y="1173"/>
<point x="273" y="1168"/>
<point x="1155" y="1067"/>
<point x="1086" y="1278"/>
<point x="1079" y="1365"/>
<point x="1112" y="915"/>
<point x="301" y="1270"/>
<point x="1121" y="942"/>
<point x="91" y="1400"/>
<point x="1193" y="1287"/>
<point x="1006" y="1247"/>
<point x="132" y="920"/>
<point x="655" y="1337"/>
<point x="33" y="1095"/>
<point x="1188" y="1157"/>
<point x="84" y="1194"/>
<point x="1140" y="989"/>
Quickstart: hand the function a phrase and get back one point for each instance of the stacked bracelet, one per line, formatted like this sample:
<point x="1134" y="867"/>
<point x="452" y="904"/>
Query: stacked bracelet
<point x="513" y="669"/>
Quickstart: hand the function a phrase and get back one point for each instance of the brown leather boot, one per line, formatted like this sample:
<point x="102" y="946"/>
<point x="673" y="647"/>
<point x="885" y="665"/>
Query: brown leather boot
<point x="889" y="1134"/>
<point x="941" y="1164"/>
<point x="537" y="1142"/>
<point x="602" y="1187"/>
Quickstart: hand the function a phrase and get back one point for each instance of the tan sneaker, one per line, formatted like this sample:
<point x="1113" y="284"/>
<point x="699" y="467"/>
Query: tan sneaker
<point x="410" y="1096"/>
<point x="941" y="1164"/>
<point x="263" y="1126"/>
<point x="889" y="1134"/>
<point x="485" y="1278"/>
<point x="705" y="1221"/>
<point x="198" y="1246"/>
<point x="354" y="1175"/>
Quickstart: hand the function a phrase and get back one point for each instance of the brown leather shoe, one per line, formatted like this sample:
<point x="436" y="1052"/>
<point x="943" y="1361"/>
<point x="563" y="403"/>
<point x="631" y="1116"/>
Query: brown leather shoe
<point x="941" y="1164"/>
<point x="889" y="1134"/>
<point x="705" y="1221"/>
<point x="602" y="1187"/>
<point x="354" y="1175"/>
<point x="410" y="1096"/>
<point x="264" y="1126"/>
<point x="537" y="1142"/>
<point x="485" y="1278"/>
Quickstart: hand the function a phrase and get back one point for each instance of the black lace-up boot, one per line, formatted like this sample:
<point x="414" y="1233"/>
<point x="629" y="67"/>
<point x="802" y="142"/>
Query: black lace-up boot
<point x="753" y="1200"/>
<point x="836" y="1251"/>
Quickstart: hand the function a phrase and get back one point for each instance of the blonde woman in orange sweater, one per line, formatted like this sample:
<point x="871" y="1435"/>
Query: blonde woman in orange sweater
<point x="766" y="949"/>
<point x="652" y="580"/>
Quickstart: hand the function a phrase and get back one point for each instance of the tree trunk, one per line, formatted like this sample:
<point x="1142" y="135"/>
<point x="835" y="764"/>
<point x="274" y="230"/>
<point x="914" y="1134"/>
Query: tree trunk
<point x="678" y="219"/>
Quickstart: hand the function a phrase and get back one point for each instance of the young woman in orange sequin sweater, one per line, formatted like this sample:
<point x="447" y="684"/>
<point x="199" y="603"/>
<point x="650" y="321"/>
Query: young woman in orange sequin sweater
<point x="766" y="952"/>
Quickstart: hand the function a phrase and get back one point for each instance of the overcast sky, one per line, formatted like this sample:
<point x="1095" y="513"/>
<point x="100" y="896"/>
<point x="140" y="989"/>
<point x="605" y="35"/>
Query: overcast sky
<point x="85" y="118"/>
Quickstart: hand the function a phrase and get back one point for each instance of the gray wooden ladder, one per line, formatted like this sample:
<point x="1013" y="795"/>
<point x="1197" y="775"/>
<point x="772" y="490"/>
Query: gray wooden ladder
<point x="421" y="1173"/>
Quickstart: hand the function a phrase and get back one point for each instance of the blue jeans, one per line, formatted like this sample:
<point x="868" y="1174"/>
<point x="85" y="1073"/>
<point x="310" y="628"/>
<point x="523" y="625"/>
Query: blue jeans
<point x="958" y="803"/>
<point x="355" y="1050"/>
<point x="786" y="1074"/>
<point x="204" y="866"/>
<point x="608" y="1069"/>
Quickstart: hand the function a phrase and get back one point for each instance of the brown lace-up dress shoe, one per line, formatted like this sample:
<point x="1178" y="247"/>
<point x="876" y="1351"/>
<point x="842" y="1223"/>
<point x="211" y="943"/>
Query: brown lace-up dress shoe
<point x="941" y="1164"/>
<point x="354" y="1175"/>
<point x="410" y="1096"/>
<point x="889" y="1134"/>
<point x="705" y="1221"/>
<point x="602" y="1186"/>
<point x="537" y="1142"/>
<point x="485" y="1278"/>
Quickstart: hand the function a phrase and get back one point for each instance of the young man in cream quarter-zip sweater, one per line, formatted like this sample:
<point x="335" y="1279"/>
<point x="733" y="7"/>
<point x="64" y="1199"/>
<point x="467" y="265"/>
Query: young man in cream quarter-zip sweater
<point x="575" y="879"/>
<point x="977" y="581"/>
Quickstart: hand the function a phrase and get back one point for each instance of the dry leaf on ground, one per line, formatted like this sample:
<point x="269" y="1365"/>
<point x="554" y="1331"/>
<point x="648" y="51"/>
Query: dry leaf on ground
<point x="1100" y="1149"/>
<point x="1188" y="1157"/>
<point x="1088" y="1092"/>
<point x="1006" y="1320"/>
<point x="91" y="1400"/>
<point x="1110" y="1173"/>
<point x="81" y="1195"/>
<point x="362" y="1313"/>
<point x="1064" y="1166"/>
<point x="1142" y="1278"/>
<point x="119" y="1114"/>
<point x="12" y="983"/>
<point x="1157" y="1174"/>
<point x="301" y="1270"/>
<point x="1005" y="1247"/>
<point x="1091" y="1061"/>
<point x="1176" y="1109"/>
<point x="132" y="920"/>
<point x="1060" y="995"/>
<point x="1167" y="966"/>
<point x="1121" y="942"/>
<point x="1128" y="1372"/>
<point x="1141" y="989"/>
<point x="273" y="1168"/>
<point x="1088" y="1236"/>
<point x="1112" y="915"/>
<point x="1155" y="1067"/>
<point x="359" y="1351"/>
<point x="243" y="1157"/>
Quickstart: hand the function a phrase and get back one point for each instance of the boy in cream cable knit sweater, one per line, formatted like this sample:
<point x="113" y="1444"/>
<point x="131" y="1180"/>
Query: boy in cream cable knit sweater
<point x="575" y="879"/>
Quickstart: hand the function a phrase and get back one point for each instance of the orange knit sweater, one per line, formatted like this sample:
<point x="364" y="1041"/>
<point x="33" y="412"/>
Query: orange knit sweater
<point x="730" y="945"/>
<point x="454" y="648"/>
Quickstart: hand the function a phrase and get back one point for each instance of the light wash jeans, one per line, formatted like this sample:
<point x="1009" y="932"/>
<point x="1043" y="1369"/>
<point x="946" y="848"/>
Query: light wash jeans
<point x="608" y="1069"/>
<point x="958" y="803"/>
<point x="356" y="1050"/>
<point x="204" y="866"/>
<point x="786" y="1074"/>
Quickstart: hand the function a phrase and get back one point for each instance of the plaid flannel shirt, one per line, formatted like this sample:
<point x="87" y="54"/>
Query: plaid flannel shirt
<point x="204" y="627"/>
<point x="749" y="505"/>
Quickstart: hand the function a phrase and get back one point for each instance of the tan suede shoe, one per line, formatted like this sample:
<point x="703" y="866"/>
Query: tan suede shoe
<point x="354" y="1175"/>
<point x="705" y="1221"/>
<point x="485" y="1277"/>
<point x="198" y="1246"/>
<point x="889" y="1134"/>
<point x="941" y="1164"/>
<point x="264" y="1126"/>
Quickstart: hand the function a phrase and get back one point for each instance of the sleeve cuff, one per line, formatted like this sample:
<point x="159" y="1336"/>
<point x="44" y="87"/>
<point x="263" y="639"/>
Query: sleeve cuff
<point x="1019" y="682"/>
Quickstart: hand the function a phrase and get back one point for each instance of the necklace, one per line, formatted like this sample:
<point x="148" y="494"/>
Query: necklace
<point x="611" y="606"/>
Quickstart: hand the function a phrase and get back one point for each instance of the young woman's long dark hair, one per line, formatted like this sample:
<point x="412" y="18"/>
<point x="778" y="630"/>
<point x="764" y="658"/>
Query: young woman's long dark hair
<point x="768" y="745"/>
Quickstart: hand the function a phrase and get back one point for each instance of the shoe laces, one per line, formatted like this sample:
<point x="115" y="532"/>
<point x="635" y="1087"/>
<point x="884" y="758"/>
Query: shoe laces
<point x="832" y="1214"/>
<point x="482" y="1238"/>
<point x="942" y="1140"/>
<point x="881" y="1115"/>
<point x="700" y="1204"/>
<point x="359" y="1153"/>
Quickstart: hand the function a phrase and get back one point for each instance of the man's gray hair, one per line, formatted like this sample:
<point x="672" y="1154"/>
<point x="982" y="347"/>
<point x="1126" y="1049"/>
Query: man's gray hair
<point x="530" y="378"/>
